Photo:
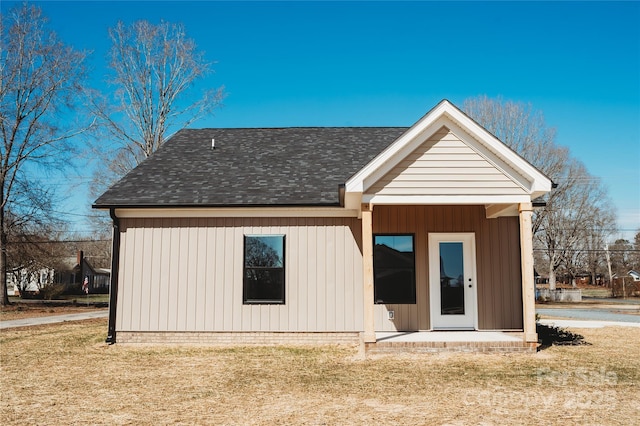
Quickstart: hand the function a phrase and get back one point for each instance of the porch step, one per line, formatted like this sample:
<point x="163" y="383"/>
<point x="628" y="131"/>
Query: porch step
<point x="425" y="342"/>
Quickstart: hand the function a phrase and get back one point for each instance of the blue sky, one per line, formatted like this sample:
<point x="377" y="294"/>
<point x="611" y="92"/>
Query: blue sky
<point x="388" y="63"/>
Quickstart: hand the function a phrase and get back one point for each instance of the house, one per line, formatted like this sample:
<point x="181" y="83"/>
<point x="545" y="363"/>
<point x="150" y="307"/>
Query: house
<point x="29" y="279"/>
<point x="324" y="235"/>
<point x="68" y="270"/>
<point x="635" y="275"/>
<point x="98" y="279"/>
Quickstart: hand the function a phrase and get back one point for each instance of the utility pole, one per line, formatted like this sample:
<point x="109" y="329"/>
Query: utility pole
<point x="606" y="250"/>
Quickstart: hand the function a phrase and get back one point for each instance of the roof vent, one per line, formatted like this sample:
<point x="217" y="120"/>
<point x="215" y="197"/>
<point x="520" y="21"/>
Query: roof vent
<point x="213" y="144"/>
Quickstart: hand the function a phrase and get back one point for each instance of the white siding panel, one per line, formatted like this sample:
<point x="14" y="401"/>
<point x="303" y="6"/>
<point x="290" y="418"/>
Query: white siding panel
<point x="237" y="272"/>
<point x="445" y="165"/>
<point x="187" y="275"/>
<point x="122" y="300"/>
<point x="201" y="281"/>
<point x="216" y="236"/>
<point x="210" y="293"/>
<point x="146" y="279"/>
<point x="135" y="287"/>
<point x="191" y="279"/>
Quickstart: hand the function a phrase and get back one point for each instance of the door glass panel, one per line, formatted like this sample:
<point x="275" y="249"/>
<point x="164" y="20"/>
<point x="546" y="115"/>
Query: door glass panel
<point x="451" y="279"/>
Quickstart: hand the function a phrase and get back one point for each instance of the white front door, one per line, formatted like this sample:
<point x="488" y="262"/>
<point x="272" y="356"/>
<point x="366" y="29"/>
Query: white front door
<point x="452" y="281"/>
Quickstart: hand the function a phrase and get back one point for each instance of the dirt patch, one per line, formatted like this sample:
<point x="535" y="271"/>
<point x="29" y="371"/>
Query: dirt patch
<point x="34" y="310"/>
<point x="65" y="374"/>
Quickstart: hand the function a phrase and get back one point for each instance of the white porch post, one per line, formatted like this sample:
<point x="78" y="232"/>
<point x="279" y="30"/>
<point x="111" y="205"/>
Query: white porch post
<point x="367" y="276"/>
<point x="528" y="282"/>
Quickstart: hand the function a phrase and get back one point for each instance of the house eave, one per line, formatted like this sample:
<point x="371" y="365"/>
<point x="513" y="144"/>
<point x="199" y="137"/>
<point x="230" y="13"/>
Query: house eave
<point x="125" y="212"/>
<point x="444" y="199"/>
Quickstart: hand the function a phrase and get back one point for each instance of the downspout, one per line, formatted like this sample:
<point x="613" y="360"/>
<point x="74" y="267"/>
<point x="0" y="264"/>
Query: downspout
<point x="113" y="287"/>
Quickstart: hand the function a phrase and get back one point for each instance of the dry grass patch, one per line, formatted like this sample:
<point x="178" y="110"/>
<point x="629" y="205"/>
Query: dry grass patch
<point x="63" y="374"/>
<point x="27" y="310"/>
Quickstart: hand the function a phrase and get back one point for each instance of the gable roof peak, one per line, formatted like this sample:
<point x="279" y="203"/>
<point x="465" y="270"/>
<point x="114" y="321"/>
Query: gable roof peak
<point x="446" y="114"/>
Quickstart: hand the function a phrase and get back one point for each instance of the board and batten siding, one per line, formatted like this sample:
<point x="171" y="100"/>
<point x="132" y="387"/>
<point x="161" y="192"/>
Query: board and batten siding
<point x="187" y="275"/>
<point x="499" y="285"/>
<point x="445" y="165"/>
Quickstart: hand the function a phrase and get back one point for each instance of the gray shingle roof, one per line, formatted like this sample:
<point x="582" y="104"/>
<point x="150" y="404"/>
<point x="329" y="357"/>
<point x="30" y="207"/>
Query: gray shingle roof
<point x="256" y="167"/>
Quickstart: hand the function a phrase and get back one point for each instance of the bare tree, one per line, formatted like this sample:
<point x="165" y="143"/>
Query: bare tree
<point x="621" y="256"/>
<point x="524" y="130"/>
<point x="153" y="67"/>
<point x="32" y="258"/>
<point x="40" y="81"/>
<point x="560" y="228"/>
<point x="601" y="226"/>
<point x="636" y="251"/>
<point x="576" y="217"/>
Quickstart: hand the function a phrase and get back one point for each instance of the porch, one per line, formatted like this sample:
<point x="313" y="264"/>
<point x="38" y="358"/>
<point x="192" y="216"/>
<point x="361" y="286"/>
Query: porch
<point x="466" y="201"/>
<point x="449" y="341"/>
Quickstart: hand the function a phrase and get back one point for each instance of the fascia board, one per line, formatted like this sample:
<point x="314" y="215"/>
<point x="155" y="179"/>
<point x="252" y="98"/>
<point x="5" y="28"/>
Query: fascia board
<point x="445" y="199"/>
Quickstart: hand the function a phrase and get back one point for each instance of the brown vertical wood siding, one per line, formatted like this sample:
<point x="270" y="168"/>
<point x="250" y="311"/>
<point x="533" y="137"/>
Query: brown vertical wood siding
<point x="186" y="275"/>
<point x="499" y="285"/>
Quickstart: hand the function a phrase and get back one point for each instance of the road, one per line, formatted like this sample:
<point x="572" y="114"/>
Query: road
<point x="600" y="311"/>
<point x="25" y="322"/>
<point x="590" y="309"/>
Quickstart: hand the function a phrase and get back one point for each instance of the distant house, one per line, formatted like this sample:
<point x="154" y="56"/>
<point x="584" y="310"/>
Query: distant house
<point x="98" y="278"/>
<point x="635" y="275"/>
<point x="324" y="234"/>
<point x="29" y="279"/>
<point x="70" y="270"/>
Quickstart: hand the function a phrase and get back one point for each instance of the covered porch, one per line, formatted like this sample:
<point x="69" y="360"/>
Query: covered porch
<point x="461" y="203"/>
<point x="493" y="287"/>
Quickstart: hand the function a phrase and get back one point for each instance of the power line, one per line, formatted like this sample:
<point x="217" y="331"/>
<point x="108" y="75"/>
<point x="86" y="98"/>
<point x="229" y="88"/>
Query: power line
<point x="58" y="242"/>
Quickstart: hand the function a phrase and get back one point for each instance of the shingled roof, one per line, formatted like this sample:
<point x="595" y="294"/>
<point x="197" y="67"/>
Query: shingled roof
<point x="250" y="167"/>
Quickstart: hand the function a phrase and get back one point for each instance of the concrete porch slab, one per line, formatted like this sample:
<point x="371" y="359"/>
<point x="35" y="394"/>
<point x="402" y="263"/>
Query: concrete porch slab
<point x="449" y="341"/>
<point x="447" y="336"/>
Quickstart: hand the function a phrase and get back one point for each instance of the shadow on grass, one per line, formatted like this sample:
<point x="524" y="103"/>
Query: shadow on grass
<point x="549" y="336"/>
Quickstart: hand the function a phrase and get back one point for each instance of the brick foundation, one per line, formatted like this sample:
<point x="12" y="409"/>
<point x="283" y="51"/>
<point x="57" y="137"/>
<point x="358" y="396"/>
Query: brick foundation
<point x="316" y="338"/>
<point x="239" y="338"/>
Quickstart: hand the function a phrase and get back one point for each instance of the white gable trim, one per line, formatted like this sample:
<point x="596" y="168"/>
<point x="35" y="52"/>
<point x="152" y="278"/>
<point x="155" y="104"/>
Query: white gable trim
<point x="474" y="135"/>
<point x="445" y="199"/>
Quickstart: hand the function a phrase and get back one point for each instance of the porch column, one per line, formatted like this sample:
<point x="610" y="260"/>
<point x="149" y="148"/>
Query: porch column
<point x="528" y="283"/>
<point x="367" y="275"/>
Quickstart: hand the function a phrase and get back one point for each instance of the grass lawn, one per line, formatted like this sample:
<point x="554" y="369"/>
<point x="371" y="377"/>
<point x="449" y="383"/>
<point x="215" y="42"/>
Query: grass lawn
<point x="33" y="308"/>
<point x="79" y="298"/>
<point x="596" y="292"/>
<point x="91" y="298"/>
<point x="65" y="374"/>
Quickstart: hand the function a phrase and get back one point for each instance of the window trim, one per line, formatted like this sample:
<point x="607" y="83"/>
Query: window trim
<point x="413" y="299"/>
<point x="245" y="282"/>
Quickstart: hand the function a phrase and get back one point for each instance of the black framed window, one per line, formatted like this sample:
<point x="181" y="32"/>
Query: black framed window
<point x="394" y="269"/>
<point x="263" y="269"/>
